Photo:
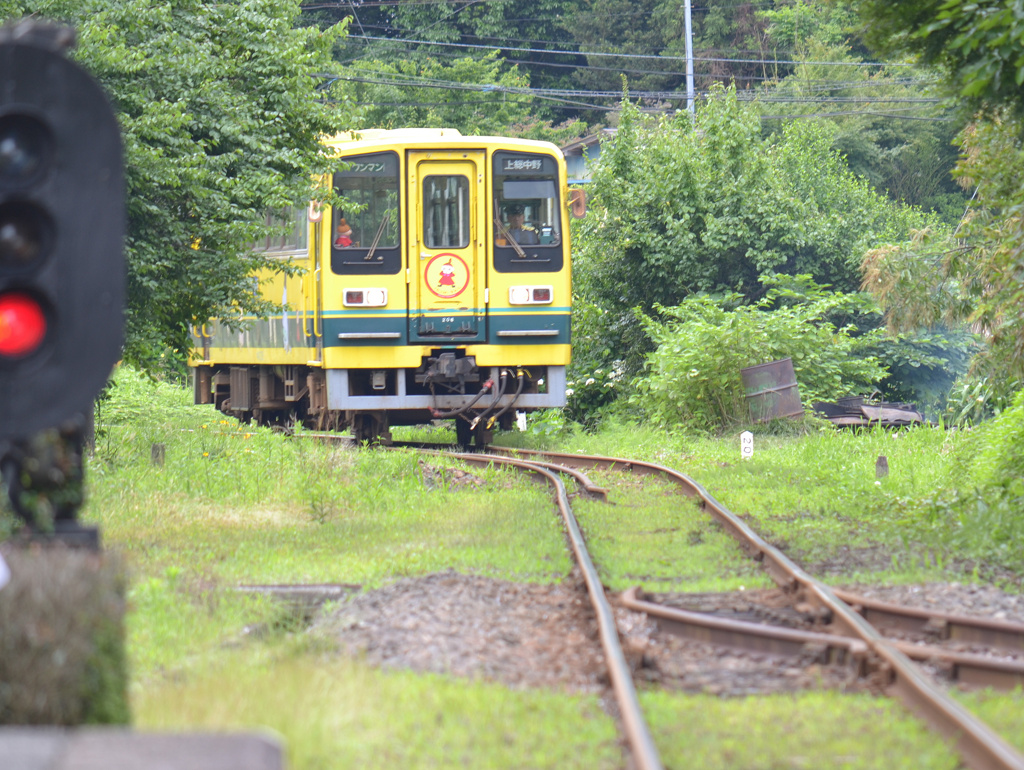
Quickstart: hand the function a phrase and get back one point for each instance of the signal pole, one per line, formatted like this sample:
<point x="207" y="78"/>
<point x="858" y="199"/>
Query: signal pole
<point x="689" y="57"/>
<point x="62" y="273"/>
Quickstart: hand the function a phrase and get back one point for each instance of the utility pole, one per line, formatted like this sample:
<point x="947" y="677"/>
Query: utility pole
<point x="689" y="57"/>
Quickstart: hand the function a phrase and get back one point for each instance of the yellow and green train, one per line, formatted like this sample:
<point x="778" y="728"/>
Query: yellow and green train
<point x="443" y="291"/>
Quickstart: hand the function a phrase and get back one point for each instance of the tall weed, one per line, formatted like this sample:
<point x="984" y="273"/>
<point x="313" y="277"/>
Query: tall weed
<point x="986" y="517"/>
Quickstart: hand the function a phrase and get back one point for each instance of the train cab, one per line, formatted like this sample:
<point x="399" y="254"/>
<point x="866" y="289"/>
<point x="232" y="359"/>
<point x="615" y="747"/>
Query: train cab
<point x="437" y="287"/>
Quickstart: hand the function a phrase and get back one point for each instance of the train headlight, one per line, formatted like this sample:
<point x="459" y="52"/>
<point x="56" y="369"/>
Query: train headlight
<point x="530" y="295"/>
<point x="365" y="297"/>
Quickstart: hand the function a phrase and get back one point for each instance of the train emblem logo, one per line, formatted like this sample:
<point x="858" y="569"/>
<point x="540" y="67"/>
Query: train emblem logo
<point x="446" y="275"/>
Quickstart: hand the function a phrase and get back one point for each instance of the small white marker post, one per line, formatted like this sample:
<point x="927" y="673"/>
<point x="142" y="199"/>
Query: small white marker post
<point x="521" y="421"/>
<point x="746" y="445"/>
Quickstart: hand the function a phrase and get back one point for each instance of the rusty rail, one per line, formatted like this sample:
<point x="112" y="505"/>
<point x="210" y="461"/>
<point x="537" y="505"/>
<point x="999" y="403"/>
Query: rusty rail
<point x="943" y="625"/>
<point x="979" y="746"/>
<point x="967" y="668"/>
<point x="645" y="754"/>
<point x="744" y="635"/>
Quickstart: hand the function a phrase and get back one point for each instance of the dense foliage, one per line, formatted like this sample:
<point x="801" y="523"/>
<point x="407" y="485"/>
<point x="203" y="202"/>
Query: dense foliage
<point x="976" y="44"/>
<point x="681" y="207"/>
<point x="972" y="275"/>
<point x="887" y="119"/>
<point x="684" y="206"/>
<point x="477" y="95"/>
<point x="693" y="376"/>
<point x="222" y="122"/>
<point x="975" y="275"/>
<point x="542" y="36"/>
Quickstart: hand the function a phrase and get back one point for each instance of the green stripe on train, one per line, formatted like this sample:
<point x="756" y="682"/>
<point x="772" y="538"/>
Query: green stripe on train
<point x="276" y="331"/>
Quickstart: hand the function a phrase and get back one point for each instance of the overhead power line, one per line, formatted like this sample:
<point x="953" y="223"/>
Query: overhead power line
<point x="403" y="80"/>
<point x="503" y="40"/>
<point x="625" y="55"/>
<point x="811" y="84"/>
<point x="896" y="116"/>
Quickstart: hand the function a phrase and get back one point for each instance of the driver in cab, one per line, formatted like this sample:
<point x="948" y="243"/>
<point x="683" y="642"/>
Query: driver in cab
<point x="517" y="228"/>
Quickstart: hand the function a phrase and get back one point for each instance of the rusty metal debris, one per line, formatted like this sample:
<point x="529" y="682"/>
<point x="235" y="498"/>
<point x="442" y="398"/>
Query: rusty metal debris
<point x="853" y="412"/>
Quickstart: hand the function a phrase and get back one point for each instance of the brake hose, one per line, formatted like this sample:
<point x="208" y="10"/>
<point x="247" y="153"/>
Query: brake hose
<point x="518" y="393"/>
<point x="439" y="415"/>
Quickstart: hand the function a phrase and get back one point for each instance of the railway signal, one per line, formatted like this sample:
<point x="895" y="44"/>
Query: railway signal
<point x="62" y="275"/>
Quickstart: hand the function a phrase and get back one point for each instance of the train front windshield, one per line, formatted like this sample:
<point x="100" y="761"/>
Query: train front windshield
<point x="527" y="211"/>
<point x="366" y="234"/>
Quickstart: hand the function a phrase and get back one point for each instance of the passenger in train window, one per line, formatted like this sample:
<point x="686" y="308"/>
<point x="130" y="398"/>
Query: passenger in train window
<point x="343" y="235"/>
<point x="517" y="228"/>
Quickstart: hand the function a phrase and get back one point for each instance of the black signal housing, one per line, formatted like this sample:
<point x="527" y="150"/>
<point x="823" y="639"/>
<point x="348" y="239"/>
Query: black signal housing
<point x="62" y="223"/>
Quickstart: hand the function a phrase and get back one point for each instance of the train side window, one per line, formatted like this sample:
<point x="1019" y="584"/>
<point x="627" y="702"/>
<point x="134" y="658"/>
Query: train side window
<point x="366" y="235"/>
<point x="527" y="213"/>
<point x="289" y="230"/>
<point x="445" y="212"/>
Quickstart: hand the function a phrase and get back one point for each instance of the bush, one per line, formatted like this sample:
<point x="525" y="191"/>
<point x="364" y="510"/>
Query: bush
<point x="591" y="391"/>
<point x="1000" y="459"/>
<point x="985" y="513"/>
<point x="693" y="377"/>
<point x="974" y="398"/>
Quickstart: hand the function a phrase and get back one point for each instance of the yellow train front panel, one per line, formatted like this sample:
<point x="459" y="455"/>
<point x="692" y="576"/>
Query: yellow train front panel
<point x="445" y="274"/>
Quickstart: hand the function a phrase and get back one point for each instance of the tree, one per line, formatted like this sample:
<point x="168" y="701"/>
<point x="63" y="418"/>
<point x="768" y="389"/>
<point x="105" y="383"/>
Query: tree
<point x="979" y="48"/>
<point x="475" y="95"/>
<point x="977" y="45"/>
<point x="501" y="24"/>
<point x="681" y="207"/>
<point x="888" y="122"/>
<point x="728" y="39"/>
<point x="222" y="121"/>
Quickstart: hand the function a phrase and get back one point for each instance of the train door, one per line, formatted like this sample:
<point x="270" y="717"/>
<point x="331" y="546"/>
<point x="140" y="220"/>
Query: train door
<point x="310" y="308"/>
<point x="446" y="260"/>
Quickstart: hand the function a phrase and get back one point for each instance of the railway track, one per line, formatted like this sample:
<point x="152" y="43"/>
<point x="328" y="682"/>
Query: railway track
<point x="856" y="638"/>
<point x="846" y="629"/>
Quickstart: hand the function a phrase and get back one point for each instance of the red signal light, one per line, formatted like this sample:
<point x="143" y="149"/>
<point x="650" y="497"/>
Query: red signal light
<point x="22" y="325"/>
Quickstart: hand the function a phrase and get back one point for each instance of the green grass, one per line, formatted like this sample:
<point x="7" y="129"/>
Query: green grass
<point x="333" y="712"/>
<point x="650" y="535"/>
<point x="235" y="505"/>
<point x="813" y="730"/>
<point x="1002" y="711"/>
<point x="817" y="496"/>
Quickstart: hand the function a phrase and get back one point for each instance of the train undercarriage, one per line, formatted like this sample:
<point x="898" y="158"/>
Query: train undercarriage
<point x="368" y="402"/>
